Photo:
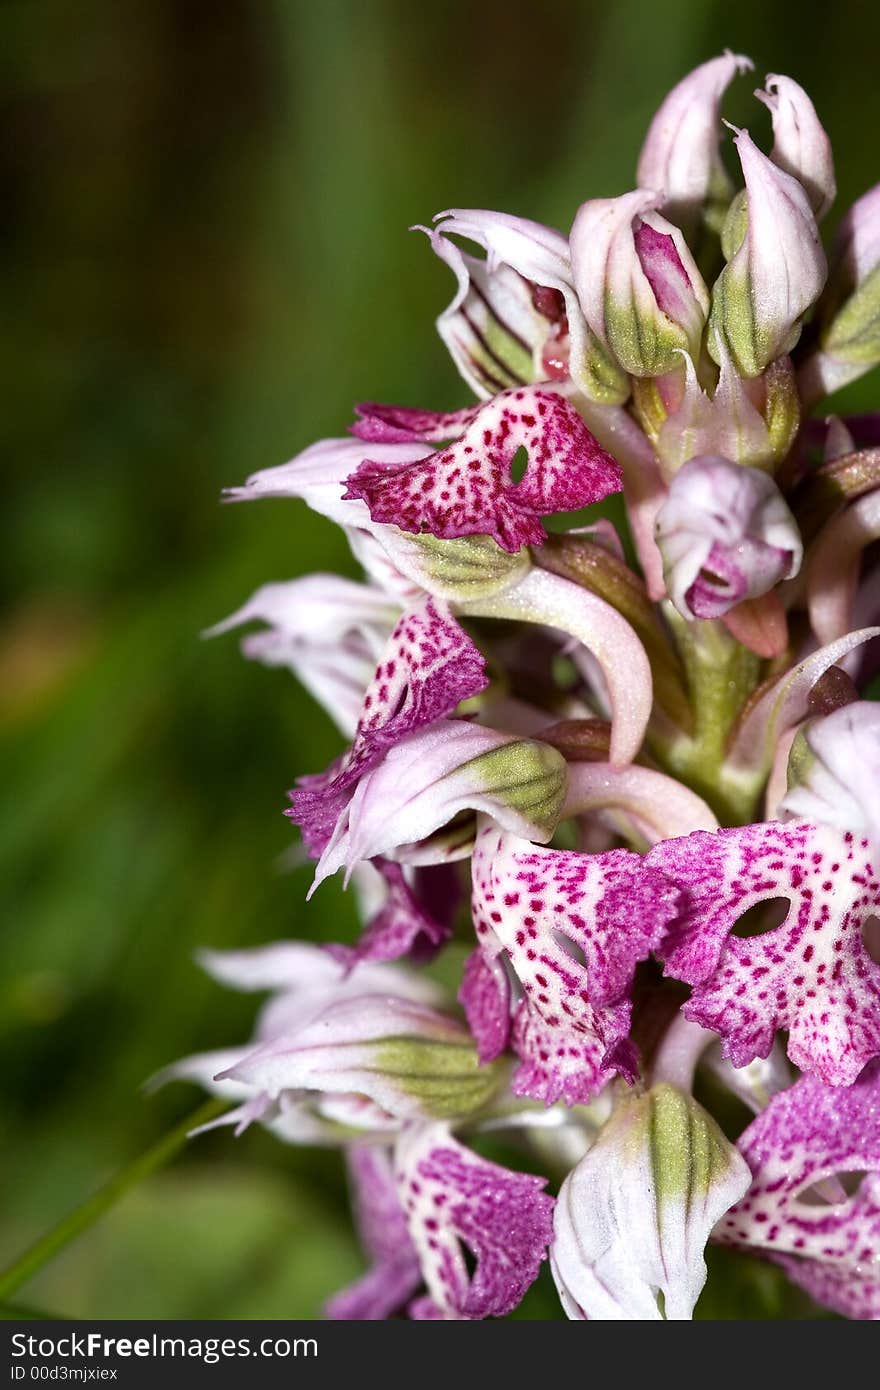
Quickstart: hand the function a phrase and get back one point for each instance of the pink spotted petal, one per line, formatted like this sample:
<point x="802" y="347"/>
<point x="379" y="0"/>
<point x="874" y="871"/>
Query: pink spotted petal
<point x="454" y="1199"/>
<point x="395" y="423"/>
<point x="467" y="488"/>
<point x="573" y="926"/>
<point x="812" y="975"/>
<point x="854" y="1293"/>
<point x="402" y="926"/>
<point x="394" y="1275"/>
<point x="485" y="998"/>
<point x="806" y="1207"/>
<point x="571" y="1064"/>
<point x="427" y="668"/>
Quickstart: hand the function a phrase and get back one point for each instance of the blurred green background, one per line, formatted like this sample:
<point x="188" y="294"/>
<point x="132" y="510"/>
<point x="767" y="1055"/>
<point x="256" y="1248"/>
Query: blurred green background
<point x="205" y="261"/>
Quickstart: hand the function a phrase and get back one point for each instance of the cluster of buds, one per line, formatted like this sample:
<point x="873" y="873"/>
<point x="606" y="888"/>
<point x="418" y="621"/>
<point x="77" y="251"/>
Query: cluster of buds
<point x="650" y="762"/>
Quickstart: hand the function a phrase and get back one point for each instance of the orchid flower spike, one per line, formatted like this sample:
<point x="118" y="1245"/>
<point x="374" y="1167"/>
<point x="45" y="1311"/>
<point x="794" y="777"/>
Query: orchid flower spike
<point x="563" y="750"/>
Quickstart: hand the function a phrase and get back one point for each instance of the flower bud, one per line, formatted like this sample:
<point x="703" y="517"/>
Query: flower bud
<point x="412" y="1061"/>
<point x="680" y="158"/>
<point x="461" y="570"/>
<point x="642" y="294"/>
<point x="776" y="272"/>
<point x="749" y="422"/>
<point x="834" y="771"/>
<point x="633" y="1218"/>
<point x="725" y="534"/>
<point x="800" y="142"/>
<point x="427" y="779"/>
<point x="851" y="335"/>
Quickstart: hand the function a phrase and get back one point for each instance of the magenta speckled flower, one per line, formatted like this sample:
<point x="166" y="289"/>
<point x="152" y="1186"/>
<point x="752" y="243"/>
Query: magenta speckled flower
<point x="572" y="928"/>
<point x="428" y="666"/>
<point x="467" y="489"/>
<point x="453" y="1200"/>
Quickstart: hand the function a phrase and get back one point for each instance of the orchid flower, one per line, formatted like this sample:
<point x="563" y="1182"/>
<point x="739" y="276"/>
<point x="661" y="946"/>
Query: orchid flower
<point x="725" y="534"/>
<point x="651" y="768"/>
<point x="516" y="318"/>
<point x="813" y="1205"/>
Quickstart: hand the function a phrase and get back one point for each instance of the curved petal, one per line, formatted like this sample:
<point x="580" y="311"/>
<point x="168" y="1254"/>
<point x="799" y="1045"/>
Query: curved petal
<point x="835" y="773"/>
<point x="680" y="156"/>
<point x="641" y="292"/>
<point x="402" y="925"/>
<point x="411" y="1061"/>
<point x="833" y="569"/>
<point x="726" y="535"/>
<point x="427" y="668"/>
<point x="541" y="597"/>
<point x="395" y="1273"/>
<point x="777" y="272"/>
<point x="425" y="780"/>
<point x="317" y="475"/>
<point x="513" y="313"/>
<point x="633" y="1218"/>
<point x="785" y="703"/>
<point x="662" y="807"/>
<point x="800" y="143"/>
<point x="573" y="926"/>
<point x="485" y="997"/>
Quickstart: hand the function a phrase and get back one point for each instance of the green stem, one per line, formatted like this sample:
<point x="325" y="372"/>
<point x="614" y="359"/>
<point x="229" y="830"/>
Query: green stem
<point x="721" y="674"/>
<point x="85" y="1215"/>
